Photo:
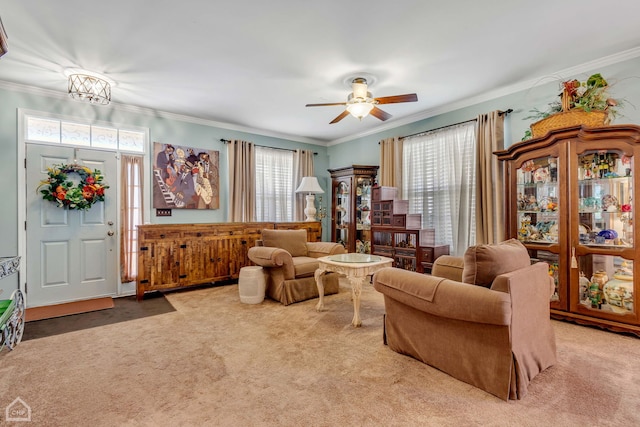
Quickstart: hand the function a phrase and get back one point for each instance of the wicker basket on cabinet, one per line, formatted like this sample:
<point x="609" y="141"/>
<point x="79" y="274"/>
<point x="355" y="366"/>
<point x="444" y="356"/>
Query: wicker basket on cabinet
<point x="569" y="117"/>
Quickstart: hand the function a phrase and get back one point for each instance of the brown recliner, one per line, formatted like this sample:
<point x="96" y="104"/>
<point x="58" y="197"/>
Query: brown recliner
<point x="487" y="322"/>
<point x="289" y="262"/>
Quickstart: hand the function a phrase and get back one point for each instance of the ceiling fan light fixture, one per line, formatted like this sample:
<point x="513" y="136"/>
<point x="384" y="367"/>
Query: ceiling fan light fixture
<point x="359" y="87"/>
<point x="89" y="88"/>
<point x="361" y="103"/>
<point x="360" y="109"/>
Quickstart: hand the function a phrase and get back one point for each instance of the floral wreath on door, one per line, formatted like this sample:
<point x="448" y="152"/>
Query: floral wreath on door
<point x="73" y="186"/>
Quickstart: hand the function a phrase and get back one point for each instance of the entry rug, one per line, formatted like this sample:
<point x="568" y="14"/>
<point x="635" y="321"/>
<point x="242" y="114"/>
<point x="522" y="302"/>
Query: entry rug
<point x="124" y="309"/>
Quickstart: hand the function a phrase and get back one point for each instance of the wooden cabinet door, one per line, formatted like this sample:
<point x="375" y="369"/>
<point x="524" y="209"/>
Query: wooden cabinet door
<point x="238" y="252"/>
<point x="145" y="265"/>
<point x="220" y="247"/>
<point x="165" y="261"/>
<point x="197" y="260"/>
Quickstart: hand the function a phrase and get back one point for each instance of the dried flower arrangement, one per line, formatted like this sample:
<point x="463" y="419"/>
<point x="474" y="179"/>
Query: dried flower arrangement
<point x="591" y="95"/>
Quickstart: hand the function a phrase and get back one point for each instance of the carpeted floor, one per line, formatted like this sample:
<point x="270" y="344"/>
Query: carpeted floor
<point x="214" y="361"/>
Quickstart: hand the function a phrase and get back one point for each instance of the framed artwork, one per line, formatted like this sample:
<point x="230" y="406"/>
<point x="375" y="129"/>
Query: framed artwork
<point x="185" y="178"/>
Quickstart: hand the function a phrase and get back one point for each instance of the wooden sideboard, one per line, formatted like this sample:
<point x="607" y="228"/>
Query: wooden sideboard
<point x="178" y="255"/>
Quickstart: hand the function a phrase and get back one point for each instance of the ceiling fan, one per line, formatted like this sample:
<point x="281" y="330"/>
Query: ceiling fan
<point x="360" y="102"/>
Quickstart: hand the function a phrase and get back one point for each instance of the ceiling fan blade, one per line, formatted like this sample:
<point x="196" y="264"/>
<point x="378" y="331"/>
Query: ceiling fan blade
<point x="325" y="105"/>
<point x="344" y="114"/>
<point x="410" y="97"/>
<point x="378" y="113"/>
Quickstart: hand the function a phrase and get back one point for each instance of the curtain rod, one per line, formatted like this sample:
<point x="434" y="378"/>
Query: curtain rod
<point x="227" y="141"/>
<point x="500" y="113"/>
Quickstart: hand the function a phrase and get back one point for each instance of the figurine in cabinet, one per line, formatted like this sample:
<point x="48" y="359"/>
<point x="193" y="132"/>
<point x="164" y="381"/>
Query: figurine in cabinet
<point x="595" y="295"/>
<point x="618" y="292"/>
<point x="528" y="231"/>
<point x="541" y="175"/>
<point x="584" y="287"/>
<point x="553" y="169"/>
<point x="532" y="203"/>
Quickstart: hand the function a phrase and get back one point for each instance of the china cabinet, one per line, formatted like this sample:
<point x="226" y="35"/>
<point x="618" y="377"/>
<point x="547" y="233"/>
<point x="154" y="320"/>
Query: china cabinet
<point x="570" y="201"/>
<point x="351" y="189"/>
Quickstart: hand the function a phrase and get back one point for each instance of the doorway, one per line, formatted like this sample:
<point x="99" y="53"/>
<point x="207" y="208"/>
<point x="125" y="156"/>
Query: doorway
<point x="71" y="255"/>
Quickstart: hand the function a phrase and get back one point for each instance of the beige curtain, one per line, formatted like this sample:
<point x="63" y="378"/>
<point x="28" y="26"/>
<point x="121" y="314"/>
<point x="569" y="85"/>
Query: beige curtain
<point x="489" y="180"/>
<point x="131" y="214"/>
<point x="390" y="173"/>
<point x="242" y="191"/>
<point x="302" y="166"/>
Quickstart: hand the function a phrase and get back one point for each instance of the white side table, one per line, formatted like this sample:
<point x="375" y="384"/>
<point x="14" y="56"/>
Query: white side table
<point x="251" y="284"/>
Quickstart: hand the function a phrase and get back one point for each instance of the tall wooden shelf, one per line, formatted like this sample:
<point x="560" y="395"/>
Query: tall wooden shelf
<point x="399" y="235"/>
<point x="179" y="255"/>
<point x="351" y="189"/>
<point x="570" y="201"/>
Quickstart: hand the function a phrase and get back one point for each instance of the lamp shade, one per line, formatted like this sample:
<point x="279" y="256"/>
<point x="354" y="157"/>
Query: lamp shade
<point x="360" y="109"/>
<point x="309" y="184"/>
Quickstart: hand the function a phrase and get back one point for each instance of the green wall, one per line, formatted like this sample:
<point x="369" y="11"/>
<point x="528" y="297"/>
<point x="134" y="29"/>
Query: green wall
<point x="624" y="78"/>
<point x="168" y="129"/>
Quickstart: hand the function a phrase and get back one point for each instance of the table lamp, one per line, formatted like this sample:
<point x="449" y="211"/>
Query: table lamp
<point x="309" y="184"/>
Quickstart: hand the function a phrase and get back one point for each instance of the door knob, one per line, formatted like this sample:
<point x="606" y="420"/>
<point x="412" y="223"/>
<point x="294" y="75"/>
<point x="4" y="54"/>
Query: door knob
<point x="109" y="233"/>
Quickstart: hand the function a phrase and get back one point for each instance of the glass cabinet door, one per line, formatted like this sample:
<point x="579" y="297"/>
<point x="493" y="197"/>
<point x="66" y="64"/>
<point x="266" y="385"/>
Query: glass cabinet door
<point x="605" y="197"/>
<point x="538" y="205"/>
<point x="363" y="214"/>
<point x="539" y="219"/>
<point x="342" y="209"/>
<point x="605" y="235"/>
<point x="606" y="284"/>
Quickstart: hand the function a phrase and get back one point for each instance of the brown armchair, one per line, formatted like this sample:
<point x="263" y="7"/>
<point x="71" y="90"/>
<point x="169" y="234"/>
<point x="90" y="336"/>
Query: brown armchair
<point x="485" y="321"/>
<point x="290" y="261"/>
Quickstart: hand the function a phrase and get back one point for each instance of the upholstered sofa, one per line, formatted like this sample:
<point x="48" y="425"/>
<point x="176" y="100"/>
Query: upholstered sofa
<point x="483" y="319"/>
<point x="290" y="261"/>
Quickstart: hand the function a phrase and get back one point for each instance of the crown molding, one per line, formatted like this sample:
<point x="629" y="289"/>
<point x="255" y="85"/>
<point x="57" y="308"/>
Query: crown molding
<point x="497" y="93"/>
<point x="163" y="114"/>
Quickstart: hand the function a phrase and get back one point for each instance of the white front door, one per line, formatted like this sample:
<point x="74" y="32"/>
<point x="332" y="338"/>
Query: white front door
<point x="71" y="255"/>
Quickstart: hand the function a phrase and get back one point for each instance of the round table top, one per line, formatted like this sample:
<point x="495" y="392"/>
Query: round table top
<point x="356" y="258"/>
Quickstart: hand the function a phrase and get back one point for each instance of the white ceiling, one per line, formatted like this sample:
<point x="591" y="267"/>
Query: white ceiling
<point x="255" y="64"/>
